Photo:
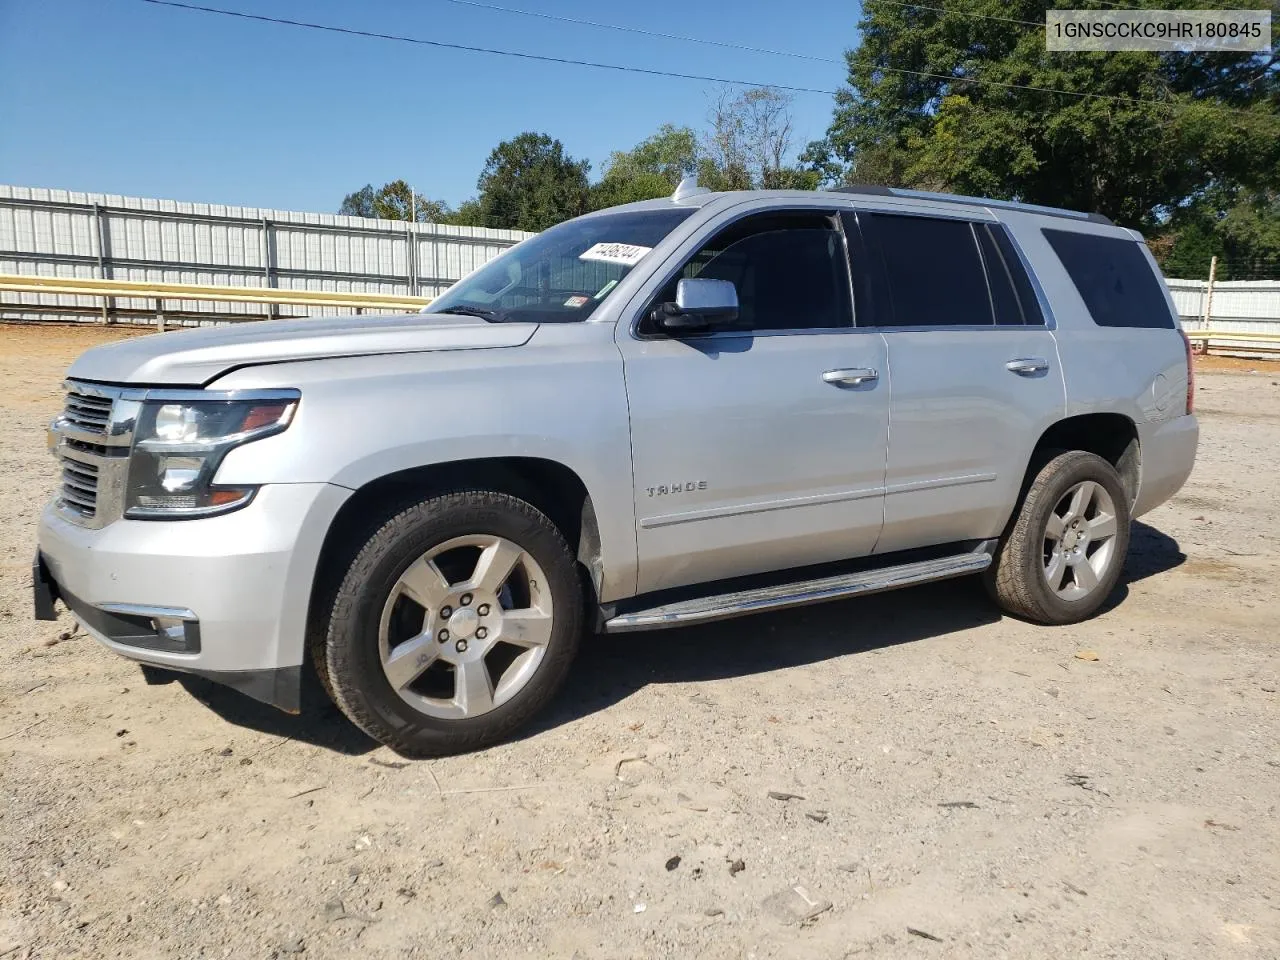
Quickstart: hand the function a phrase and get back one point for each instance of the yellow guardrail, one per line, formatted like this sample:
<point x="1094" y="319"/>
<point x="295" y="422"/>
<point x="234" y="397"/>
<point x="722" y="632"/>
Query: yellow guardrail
<point x="1230" y="335"/>
<point x="148" y="290"/>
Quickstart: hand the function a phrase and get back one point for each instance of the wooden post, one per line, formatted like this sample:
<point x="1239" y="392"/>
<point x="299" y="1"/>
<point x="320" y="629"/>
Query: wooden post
<point x="1208" y="293"/>
<point x="411" y="256"/>
<point x="160" y="316"/>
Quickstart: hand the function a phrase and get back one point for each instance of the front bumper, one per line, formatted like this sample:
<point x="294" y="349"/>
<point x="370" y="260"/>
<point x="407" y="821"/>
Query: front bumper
<point x="223" y="597"/>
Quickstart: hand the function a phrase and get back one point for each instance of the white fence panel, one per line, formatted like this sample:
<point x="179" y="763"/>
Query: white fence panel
<point x="1238" y="306"/>
<point x="60" y="233"/>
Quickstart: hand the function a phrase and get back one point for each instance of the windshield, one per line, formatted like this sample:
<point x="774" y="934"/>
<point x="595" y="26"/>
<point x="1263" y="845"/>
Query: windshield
<point x="562" y="274"/>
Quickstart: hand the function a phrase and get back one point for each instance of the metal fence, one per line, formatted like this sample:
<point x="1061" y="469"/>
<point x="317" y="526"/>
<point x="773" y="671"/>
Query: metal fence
<point x="64" y="234"/>
<point x="1236" y="308"/>
<point x="57" y="233"/>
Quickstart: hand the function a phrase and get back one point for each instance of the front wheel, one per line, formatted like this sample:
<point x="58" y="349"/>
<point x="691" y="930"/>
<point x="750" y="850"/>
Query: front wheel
<point x="455" y="623"/>
<point x="1063" y="555"/>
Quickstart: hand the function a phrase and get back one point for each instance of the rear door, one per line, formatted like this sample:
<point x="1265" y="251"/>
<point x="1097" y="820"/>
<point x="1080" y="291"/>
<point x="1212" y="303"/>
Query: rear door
<point x="975" y="370"/>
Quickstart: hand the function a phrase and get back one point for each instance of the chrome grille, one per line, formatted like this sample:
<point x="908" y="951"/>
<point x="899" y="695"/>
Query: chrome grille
<point x="89" y="413"/>
<point x="80" y="486"/>
<point x="91" y="438"/>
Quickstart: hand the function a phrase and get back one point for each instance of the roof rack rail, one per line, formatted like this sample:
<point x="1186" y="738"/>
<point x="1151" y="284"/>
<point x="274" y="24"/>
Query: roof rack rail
<point x="879" y="191"/>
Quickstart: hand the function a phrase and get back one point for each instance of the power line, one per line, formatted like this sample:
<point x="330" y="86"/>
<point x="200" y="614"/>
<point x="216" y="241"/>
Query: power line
<point x="975" y="16"/>
<point x="1014" y="86"/>
<point x="473" y="49"/>
<point x="370" y="34"/>
<point x="1132" y="5"/>
<point x="645" y="33"/>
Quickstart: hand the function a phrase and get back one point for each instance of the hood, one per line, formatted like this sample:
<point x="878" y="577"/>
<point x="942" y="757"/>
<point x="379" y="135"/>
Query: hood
<point x="194" y="357"/>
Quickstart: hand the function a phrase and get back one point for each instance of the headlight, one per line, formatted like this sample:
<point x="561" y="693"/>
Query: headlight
<point x="179" y="443"/>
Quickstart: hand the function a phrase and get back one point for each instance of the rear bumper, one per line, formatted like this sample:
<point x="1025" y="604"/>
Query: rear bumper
<point x="1168" y="456"/>
<point x="223" y="597"/>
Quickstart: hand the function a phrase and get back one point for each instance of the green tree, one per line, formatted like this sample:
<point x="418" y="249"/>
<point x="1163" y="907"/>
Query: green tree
<point x="652" y="168"/>
<point x="913" y="115"/>
<point x="530" y="183"/>
<point x="468" y="214"/>
<point x="394" y="201"/>
<point x="1244" y="235"/>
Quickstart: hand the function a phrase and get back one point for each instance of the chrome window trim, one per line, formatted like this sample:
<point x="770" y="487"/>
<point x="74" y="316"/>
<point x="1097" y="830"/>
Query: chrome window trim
<point x="962" y="328"/>
<point x="753" y="334"/>
<point x="970" y="216"/>
<point x="986" y="279"/>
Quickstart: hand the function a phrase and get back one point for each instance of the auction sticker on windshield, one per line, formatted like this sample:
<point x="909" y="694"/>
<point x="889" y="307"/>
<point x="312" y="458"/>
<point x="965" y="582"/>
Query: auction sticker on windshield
<point x="627" y="254"/>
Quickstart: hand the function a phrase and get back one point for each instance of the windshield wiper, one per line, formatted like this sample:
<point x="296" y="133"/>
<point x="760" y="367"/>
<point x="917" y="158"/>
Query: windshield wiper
<point x="493" y="316"/>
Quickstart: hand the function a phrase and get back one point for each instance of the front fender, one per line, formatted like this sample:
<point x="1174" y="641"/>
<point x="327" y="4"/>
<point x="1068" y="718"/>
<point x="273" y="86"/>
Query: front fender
<point x="364" y="418"/>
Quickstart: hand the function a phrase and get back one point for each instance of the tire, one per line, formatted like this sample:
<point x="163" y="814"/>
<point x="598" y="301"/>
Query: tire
<point x="1083" y="561"/>
<point x="509" y="643"/>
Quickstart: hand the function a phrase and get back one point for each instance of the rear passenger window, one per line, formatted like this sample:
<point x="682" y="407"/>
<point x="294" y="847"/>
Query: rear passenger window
<point x="933" y="270"/>
<point x="1004" y="300"/>
<point x="1012" y="298"/>
<point x="1113" y="278"/>
<point x="1021" y="282"/>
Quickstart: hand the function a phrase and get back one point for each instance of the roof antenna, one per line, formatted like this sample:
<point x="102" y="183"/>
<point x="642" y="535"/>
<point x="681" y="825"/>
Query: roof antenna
<point x="688" y="188"/>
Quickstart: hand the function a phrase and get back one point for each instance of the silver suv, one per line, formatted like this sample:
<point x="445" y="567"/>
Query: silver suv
<point x="656" y="415"/>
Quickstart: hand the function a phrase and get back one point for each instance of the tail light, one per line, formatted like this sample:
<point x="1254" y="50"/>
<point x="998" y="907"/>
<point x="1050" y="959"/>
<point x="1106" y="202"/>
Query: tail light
<point x="1191" y="374"/>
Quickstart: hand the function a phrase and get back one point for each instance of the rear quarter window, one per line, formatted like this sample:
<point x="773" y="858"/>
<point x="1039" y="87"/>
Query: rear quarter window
<point x="1114" y="279"/>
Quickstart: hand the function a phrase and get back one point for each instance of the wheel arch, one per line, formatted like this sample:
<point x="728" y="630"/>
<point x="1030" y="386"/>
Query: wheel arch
<point x="548" y="485"/>
<point x="1112" y="436"/>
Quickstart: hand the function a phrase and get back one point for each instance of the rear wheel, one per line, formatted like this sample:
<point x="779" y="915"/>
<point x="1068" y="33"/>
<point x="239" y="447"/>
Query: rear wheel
<point x="1063" y="555"/>
<point x="455" y="623"/>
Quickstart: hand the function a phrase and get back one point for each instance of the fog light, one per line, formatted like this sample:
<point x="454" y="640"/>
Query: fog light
<point x="171" y="628"/>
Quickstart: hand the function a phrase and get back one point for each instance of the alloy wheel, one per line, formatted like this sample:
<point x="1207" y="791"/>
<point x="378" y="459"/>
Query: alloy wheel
<point x="465" y="627"/>
<point x="1079" y="540"/>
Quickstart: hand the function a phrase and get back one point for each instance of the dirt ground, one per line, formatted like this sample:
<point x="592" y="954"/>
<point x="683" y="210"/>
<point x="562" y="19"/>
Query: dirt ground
<point x="963" y="785"/>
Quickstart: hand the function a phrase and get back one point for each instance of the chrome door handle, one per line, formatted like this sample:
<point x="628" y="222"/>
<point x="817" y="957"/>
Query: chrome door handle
<point x="854" y="377"/>
<point x="1027" y="366"/>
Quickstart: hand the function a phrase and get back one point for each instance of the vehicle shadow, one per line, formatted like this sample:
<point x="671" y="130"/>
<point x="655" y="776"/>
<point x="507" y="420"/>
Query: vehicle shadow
<point x="319" y="723"/>
<point x="1151" y="552"/>
<point x="610" y="668"/>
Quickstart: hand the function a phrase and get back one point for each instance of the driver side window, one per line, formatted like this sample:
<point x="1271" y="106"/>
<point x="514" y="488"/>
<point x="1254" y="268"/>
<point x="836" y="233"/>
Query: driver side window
<point x="790" y="271"/>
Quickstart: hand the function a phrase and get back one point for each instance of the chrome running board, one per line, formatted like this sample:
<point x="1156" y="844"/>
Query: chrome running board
<point x="723" y="606"/>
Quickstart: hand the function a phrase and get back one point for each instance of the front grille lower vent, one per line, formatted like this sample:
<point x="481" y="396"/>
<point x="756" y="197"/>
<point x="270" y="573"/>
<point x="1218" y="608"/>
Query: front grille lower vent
<point x="80" y="486"/>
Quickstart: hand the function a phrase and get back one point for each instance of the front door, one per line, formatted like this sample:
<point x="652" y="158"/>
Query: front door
<point x="759" y="446"/>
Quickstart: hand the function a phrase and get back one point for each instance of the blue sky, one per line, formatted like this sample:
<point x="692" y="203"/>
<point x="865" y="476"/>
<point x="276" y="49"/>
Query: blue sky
<point x="120" y="96"/>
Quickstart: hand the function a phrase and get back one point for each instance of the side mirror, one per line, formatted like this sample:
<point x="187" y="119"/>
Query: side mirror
<point x="700" y="305"/>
